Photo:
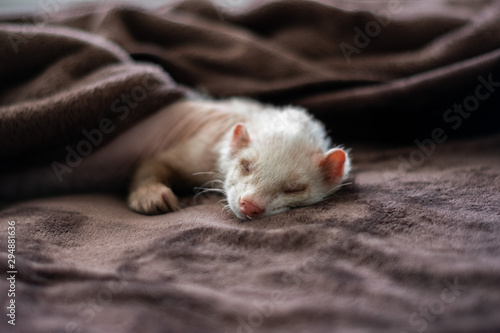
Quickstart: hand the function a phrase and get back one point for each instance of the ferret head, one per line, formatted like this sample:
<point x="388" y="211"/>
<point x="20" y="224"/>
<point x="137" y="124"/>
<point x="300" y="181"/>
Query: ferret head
<point x="278" y="170"/>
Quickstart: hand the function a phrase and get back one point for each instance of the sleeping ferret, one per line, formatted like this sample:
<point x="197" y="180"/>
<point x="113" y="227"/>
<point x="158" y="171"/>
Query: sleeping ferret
<point x="264" y="159"/>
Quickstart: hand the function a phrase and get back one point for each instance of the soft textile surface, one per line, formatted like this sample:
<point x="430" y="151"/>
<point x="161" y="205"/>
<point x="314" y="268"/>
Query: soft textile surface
<point x="412" y="244"/>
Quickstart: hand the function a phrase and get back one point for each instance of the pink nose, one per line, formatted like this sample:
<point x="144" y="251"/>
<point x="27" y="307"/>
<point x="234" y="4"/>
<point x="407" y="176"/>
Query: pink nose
<point x="250" y="209"/>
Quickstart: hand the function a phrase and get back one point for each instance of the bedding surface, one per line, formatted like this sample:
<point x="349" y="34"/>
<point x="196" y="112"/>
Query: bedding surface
<point x="411" y="243"/>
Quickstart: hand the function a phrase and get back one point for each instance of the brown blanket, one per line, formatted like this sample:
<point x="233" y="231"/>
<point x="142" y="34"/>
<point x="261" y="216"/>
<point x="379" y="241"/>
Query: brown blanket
<point x="412" y="244"/>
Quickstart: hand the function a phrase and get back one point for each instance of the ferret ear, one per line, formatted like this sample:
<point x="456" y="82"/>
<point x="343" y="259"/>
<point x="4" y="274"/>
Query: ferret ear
<point x="240" y="138"/>
<point x="333" y="165"/>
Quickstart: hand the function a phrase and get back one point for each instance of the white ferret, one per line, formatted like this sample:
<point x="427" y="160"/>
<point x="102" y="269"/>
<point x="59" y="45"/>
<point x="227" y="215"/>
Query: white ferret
<point x="266" y="160"/>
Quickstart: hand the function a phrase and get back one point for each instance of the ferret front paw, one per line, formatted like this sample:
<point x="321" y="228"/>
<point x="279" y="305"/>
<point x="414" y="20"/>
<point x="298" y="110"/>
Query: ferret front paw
<point x="153" y="199"/>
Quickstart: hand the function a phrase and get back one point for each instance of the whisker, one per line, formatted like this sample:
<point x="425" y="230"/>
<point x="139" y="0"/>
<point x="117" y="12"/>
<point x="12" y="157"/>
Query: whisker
<point x="196" y="196"/>
<point x="339" y="186"/>
<point x="212" y="181"/>
<point x="204" y="173"/>
<point x="205" y="189"/>
<point x="222" y="200"/>
<point x="226" y="210"/>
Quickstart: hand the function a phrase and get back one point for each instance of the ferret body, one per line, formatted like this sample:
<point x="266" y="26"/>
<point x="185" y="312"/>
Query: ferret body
<point x="265" y="160"/>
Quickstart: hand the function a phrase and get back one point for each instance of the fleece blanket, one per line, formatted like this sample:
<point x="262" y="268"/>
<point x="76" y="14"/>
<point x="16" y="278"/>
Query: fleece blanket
<point x="410" y="244"/>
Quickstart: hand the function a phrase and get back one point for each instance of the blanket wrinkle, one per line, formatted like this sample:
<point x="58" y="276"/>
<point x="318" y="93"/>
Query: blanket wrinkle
<point x="71" y="91"/>
<point x="410" y="244"/>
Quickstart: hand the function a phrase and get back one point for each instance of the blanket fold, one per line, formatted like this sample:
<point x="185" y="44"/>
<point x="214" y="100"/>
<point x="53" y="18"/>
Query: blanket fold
<point x="59" y="82"/>
<point x="409" y="244"/>
<point x="401" y="75"/>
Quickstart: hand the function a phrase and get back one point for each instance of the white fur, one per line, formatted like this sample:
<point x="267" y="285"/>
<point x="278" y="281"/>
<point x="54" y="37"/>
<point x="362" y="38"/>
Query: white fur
<point x="285" y="148"/>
